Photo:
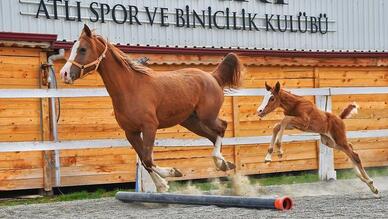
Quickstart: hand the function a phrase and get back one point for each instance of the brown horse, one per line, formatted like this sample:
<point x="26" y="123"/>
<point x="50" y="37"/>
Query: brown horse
<point x="145" y="101"/>
<point x="303" y="115"/>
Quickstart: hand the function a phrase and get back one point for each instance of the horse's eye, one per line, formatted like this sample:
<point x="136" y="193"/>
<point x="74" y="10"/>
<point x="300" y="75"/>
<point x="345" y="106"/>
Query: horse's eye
<point x="82" y="50"/>
<point x="271" y="99"/>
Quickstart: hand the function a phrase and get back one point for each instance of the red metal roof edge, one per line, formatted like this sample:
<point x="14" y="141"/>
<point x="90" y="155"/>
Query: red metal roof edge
<point x="34" y="37"/>
<point x="248" y="52"/>
<point x="52" y="38"/>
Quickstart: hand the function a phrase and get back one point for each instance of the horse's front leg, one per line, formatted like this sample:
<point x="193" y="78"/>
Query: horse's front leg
<point x="149" y="133"/>
<point x="268" y="157"/>
<point x="157" y="173"/>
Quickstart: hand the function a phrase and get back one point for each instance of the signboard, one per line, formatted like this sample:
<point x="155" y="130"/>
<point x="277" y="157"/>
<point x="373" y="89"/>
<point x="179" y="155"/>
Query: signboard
<point x="252" y="24"/>
<point x="187" y="17"/>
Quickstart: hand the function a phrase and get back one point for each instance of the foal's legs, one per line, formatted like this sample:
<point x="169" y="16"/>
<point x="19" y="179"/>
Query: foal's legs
<point x="347" y="148"/>
<point x="195" y="125"/>
<point x="289" y="122"/>
<point x="360" y="171"/>
<point x="268" y="157"/>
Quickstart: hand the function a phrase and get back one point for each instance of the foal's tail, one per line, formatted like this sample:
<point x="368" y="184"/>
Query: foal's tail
<point x="228" y="72"/>
<point x="349" y="111"/>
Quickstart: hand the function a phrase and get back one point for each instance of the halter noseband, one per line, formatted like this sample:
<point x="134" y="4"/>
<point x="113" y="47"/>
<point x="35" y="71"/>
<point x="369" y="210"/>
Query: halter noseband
<point x="96" y="63"/>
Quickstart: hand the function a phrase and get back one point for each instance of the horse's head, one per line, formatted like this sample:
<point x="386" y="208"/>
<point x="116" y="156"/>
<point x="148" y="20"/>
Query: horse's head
<point x="271" y="100"/>
<point x="85" y="57"/>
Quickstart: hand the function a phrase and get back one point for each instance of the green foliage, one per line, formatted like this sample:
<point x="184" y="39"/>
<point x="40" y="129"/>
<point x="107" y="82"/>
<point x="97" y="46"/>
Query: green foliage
<point x="280" y="179"/>
<point x="79" y="195"/>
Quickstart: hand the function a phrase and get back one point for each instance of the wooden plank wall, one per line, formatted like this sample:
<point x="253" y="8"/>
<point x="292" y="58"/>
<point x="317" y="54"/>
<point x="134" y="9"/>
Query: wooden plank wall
<point x="20" y="119"/>
<point x="93" y="118"/>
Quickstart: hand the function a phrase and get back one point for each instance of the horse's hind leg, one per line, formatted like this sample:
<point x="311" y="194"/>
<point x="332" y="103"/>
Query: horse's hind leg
<point x="193" y="124"/>
<point x="219" y="126"/>
<point x="198" y="127"/>
<point x="360" y="171"/>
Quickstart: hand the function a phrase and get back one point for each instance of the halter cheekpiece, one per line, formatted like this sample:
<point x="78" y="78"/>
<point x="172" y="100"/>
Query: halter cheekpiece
<point x="96" y="63"/>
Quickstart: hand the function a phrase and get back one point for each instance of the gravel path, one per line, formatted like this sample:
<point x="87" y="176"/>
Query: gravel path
<point x="311" y="201"/>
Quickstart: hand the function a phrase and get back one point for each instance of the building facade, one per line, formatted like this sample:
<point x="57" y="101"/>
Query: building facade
<point x="302" y="43"/>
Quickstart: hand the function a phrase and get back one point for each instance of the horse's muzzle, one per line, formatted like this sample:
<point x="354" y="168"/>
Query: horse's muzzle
<point x="261" y="114"/>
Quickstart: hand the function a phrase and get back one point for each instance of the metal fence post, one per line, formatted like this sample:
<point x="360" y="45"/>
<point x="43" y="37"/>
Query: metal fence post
<point x="326" y="154"/>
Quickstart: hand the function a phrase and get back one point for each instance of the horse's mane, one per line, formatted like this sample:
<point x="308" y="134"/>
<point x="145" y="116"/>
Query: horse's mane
<point x="122" y="58"/>
<point x="290" y="93"/>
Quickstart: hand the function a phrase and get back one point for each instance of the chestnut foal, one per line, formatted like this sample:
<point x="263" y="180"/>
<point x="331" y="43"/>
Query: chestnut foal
<point x="303" y="115"/>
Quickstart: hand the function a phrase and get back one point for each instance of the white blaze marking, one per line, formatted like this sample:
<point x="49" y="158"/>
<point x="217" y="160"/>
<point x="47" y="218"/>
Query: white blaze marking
<point x="267" y="96"/>
<point x="355" y="109"/>
<point x="66" y="68"/>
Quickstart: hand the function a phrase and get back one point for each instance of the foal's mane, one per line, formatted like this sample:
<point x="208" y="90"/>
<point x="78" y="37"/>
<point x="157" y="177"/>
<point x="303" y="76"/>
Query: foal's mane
<point x="287" y="92"/>
<point x="122" y="58"/>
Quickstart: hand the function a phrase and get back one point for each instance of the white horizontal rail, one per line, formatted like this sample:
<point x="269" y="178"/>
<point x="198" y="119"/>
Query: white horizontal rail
<point x="47" y="93"/>
<point x="101" y="92"/>
<point x="112" y="143"/>
<point x="358" y="90"/>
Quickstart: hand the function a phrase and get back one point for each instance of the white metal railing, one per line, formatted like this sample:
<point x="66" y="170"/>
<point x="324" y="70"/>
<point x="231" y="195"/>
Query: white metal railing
<point x="323" y="100"/>
<point x="112" y="143"/>
<point x="320" y="93"/>
<point x="101" y="92"/>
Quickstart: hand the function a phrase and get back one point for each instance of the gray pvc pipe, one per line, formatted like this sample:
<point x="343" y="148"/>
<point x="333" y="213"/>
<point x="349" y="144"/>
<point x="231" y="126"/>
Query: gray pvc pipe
<point x="284" y="203"/>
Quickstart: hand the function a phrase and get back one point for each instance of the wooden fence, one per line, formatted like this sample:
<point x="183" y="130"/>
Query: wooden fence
<point x="92" y="118"/>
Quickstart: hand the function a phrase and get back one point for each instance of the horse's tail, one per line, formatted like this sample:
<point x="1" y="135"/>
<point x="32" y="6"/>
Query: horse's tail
<point x="228" y="72"/>
<point x="349" y="111"/>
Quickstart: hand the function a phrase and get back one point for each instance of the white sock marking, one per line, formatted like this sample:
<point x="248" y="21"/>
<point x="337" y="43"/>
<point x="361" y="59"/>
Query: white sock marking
<point x="217" y="148"/>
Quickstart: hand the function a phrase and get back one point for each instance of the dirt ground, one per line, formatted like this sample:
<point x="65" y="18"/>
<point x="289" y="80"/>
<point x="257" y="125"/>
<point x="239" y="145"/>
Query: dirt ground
<point x="340" y="199"/>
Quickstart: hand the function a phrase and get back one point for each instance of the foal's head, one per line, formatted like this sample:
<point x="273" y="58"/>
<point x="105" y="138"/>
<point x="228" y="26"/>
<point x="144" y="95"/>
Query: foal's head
<point x="271" y="100"/>
<point x="85" y="57"/>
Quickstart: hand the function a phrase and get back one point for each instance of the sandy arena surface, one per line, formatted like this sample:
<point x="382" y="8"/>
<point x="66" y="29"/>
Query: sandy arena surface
<point x="340" y="199"/>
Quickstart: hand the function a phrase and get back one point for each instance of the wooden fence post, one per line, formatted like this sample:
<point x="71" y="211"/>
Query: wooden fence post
<point x="48" y="162"/>
<point x="326" y="154"/>
<point x="236" y="121"/>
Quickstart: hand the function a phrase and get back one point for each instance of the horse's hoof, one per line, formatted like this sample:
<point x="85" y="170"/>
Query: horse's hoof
<point x="230" y="165"/>
<point x="375" y="191"/>
<point x="226" y="165"/>
<point x="268" y="158"/>
<point x="162" y="188"/>
<point x="177" y="173"/>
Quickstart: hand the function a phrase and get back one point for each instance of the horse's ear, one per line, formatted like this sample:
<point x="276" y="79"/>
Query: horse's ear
<point x="87" y="31"/>
<point x="269" y="88"/>
<point x="277" y="88"/>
